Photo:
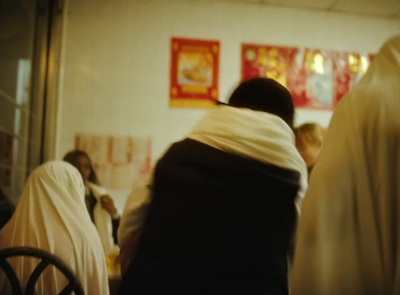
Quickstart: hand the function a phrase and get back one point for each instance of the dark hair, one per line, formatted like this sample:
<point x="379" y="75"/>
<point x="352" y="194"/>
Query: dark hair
<point x="266" y="95"/>
<point x="72" y="158"/>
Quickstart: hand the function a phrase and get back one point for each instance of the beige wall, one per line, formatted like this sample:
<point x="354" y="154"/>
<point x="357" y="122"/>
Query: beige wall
<point x="115" y="71"/>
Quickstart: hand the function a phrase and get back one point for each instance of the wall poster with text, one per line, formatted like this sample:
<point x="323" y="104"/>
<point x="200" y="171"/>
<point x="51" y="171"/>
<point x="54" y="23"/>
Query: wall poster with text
<point x="194" y="73"/>
<point x="316" y="78"/>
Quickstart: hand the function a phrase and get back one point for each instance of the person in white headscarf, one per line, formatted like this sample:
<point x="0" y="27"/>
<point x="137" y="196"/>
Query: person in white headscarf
<point x="220" y="210"/>
<point x="51" y="216"/>
<point x="348" y="239"/>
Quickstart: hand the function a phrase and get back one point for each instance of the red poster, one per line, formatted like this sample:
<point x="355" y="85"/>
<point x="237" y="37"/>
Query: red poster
<point x="266" y="61"/>
<point x="194" y="73"/>
<point x="348" y="69"/>
<point x="316" y="78"/>
<point x="316" y="67"/>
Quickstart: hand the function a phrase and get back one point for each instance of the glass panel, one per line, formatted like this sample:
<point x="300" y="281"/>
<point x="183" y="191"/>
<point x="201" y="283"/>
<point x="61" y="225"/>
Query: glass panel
<point x="23" y="83"/>
<point x="21" y="123"/>
<point x="7" y="115"/>
<point x="17" y="32"/>
<point x="6" y="158"/>
<point x="8" y="73"/>
<point x="19" y="153"/>
<point x="5" y="180"/>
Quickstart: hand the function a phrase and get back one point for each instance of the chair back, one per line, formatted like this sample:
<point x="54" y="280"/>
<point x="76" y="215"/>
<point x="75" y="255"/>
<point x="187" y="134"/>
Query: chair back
<point x="45" y="260"/>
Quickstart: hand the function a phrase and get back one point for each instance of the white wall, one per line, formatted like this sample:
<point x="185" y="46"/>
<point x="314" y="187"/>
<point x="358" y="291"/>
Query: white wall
<point x="115" y="73"/>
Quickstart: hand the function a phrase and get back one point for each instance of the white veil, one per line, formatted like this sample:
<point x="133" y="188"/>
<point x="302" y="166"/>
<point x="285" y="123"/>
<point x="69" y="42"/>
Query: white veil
<point x="348" y="238"/>
<point x="51" y="215"/>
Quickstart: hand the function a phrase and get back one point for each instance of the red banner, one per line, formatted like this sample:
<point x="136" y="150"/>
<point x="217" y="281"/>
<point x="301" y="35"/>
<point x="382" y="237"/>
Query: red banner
<point x="348" y="69"/>
<point x="194" y="73"/>
<point x="317" y="79"/>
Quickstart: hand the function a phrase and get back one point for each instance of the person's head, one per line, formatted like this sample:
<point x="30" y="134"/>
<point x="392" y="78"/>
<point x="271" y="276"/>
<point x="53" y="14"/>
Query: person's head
<point x="266" y="95"/>
<point x="60" y="174"/>
<point x="309" y="137"/>
<point x="52" y="187"/>
<point x="81" y="161"/>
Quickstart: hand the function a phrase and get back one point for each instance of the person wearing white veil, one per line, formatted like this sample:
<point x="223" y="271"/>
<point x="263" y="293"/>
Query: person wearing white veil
<point x="348" y="239"/>
<point x="51" y="215"/>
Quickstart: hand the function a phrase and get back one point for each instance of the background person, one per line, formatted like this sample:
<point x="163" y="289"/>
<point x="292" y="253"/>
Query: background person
<point x="221" y="210"/>
<point x="98" y="203"/>
<point x="309" y="138"/>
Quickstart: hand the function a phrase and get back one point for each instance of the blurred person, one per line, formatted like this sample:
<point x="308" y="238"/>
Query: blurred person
<point x="309" y="138"/>
<point x="218" y="215"/>
<point x="99" y="204"/>
<point x="6" y="209"/>
<point x="348" y="238"/>
<point x="132" y="221"/>
<point x="51" y="216"/>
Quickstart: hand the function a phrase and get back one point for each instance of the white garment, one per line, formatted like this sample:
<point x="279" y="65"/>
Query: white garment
<point x="103" y="220"/>
<point x="135" y="211"/>
<point x="349" y="233"/>
<point x="251" y="134"/>
<point x="52" y="216"/>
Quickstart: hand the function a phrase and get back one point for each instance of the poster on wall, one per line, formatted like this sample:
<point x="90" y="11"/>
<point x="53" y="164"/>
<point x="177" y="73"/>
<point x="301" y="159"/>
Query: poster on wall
<point x="348" y="68"/>
<point x="317" y="78"/>
<point x="194" y="73"/>
<point x="119" y="161"/>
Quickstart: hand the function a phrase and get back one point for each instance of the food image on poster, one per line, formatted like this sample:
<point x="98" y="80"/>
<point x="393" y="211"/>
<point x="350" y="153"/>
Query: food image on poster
<point x="195" y="69"/>
<point x="194" y="73"/>
<point x="317" y="79"/>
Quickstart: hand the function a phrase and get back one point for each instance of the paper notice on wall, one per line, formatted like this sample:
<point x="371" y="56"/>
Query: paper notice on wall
<point x="118" y="161"/>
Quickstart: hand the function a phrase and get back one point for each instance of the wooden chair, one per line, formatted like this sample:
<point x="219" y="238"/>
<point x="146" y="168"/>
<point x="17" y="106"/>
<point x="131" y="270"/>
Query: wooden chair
<point x="45" y="260"/>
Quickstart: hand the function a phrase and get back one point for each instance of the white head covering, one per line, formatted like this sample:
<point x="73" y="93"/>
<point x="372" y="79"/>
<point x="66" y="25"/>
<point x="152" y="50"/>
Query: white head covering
<point x="257" y="135"/>
<point x="349" y="233"/>
<point x="51" y="215"/>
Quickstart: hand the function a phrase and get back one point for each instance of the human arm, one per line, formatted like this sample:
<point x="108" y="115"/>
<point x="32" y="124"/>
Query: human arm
<point x="107" y="203"/>
<point x="132" y="221"/>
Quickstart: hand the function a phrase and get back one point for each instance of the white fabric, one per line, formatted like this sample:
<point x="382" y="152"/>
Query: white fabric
<point x="102" y="220"/>
<point x="52" y="216"/>
<point x="135" y="211"/>
<point x="252" y="134"/>
<point x="349" y="233"/>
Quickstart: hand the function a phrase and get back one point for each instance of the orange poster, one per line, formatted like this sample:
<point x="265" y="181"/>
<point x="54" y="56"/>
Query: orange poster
<point x="194" y="73"/>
